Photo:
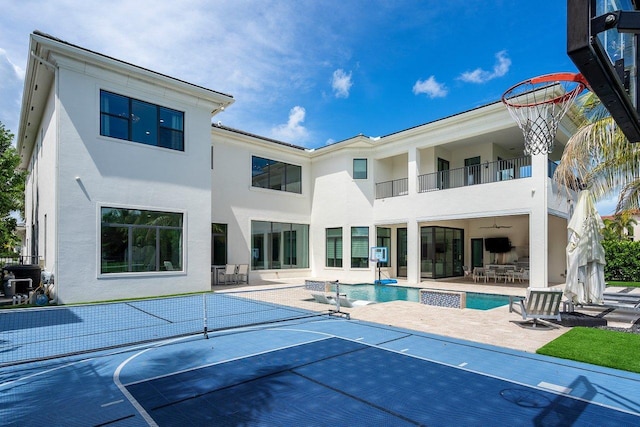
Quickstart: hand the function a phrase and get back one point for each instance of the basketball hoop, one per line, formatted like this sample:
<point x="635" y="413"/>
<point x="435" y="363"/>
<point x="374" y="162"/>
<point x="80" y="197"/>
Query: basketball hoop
<point x="538" y="104"/>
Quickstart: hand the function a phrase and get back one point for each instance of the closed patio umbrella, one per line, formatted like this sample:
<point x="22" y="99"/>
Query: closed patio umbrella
<point x="585" y="254"/>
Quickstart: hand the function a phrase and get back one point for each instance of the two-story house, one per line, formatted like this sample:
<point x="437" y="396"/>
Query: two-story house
<point x="133" y="192"/>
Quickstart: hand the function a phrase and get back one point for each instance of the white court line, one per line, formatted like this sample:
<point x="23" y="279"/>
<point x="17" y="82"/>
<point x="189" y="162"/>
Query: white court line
<point x="125" y="392"/>
<point x="462" y="367"/>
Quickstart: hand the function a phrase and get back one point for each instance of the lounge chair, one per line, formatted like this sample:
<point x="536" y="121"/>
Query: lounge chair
<point x="323" y="298"/>
<point x="541" y="303"/>
<point x="228" y="275"/>
<point x="345" y="302"/>
<point x="242" y="273"/>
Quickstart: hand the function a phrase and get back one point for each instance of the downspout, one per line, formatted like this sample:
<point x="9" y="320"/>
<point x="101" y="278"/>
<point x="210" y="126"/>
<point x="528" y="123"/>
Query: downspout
<point x="54" y="68"/>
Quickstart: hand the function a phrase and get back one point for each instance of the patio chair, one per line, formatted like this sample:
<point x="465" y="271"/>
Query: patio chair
<point x="478" y="274"/>
<point x="467" y="271"/>
<point x="541" y="303"/>
<point x="491" y="273"/>
<point x="228" y="275"/>
<point x="242" y="274"/>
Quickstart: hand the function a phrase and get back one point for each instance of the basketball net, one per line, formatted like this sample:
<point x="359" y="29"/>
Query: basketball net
<point x="538" y="105"/>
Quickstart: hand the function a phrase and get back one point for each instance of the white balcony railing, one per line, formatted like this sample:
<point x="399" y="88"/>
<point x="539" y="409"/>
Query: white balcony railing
<point x="501" y="170"/>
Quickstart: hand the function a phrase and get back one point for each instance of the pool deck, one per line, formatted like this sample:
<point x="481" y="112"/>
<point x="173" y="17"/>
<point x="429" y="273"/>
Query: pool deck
<point x="497" y="326"/>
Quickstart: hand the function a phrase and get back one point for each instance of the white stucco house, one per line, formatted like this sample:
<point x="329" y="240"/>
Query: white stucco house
<point x="133" y="192"/>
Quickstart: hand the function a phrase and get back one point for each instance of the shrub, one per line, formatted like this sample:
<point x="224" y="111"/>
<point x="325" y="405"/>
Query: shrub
<point x="623" y="260"/>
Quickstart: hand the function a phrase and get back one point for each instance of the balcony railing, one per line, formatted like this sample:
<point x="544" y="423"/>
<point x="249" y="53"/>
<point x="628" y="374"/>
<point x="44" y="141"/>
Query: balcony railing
<point x="501" y="170"/>
<point x="397" y="187"/>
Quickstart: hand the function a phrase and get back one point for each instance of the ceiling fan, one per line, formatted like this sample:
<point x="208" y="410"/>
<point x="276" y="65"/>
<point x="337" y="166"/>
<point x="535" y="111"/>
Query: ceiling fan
<point x="496" y="226"/>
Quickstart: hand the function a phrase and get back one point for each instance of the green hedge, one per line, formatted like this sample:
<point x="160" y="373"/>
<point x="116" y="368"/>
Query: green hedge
<point x="623" y="260"/>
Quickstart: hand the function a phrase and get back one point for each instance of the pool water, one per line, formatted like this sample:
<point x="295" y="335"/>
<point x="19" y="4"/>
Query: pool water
<point x="386" y="293"/>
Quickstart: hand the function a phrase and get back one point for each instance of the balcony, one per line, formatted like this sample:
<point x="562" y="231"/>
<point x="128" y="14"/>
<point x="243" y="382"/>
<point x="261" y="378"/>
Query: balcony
<point x="397" y="187"/>
<point x="501" y="170"/>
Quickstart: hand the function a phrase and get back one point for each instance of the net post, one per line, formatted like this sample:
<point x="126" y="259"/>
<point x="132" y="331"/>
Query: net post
<point x="337" y="310"/>
<point x="204" y="313"/>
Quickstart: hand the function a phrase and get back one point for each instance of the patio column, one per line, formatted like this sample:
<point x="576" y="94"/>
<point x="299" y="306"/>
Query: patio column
<point x="412" y="173"/>
<point x="539" y="223"/>
<point x="413" y="252"/>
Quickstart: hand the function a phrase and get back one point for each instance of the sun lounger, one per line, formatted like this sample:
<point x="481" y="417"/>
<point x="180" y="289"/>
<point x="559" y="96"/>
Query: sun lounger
<point x="541" y="304"/>
<point x="345" y="302"/>
<point x="322" y="298"/>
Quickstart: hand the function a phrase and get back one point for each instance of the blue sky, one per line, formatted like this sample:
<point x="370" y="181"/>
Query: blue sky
<point x="308" y="72"/>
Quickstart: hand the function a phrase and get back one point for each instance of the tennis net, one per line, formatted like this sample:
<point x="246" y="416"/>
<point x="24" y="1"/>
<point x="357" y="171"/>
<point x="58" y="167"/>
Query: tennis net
<point x="41" y="333"/>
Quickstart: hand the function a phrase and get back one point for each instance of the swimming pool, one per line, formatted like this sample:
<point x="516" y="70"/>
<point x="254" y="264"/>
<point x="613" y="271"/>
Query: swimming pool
<point x="386" y="293"/>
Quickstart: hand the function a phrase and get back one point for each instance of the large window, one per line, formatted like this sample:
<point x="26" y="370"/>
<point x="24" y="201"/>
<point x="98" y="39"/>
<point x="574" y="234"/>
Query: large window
<point x="278" y="245"/>
<point x="383" y="239"/>
<point x="359" y="247"/>
<point x="334" y="247"/>
<point x="275" y="175"/>
<point x="359" y="168"/>
<point x="133" y="120"/>
<point x="134" y="240"/>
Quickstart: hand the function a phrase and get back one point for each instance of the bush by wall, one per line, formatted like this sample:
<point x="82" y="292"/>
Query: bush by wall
<point x="623" y="260"/>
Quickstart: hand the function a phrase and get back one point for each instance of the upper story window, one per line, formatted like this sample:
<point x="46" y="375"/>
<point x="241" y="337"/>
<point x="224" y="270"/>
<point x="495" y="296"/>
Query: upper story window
<point x="359" y="168"/>
<point x="275" y="175"/>
<point x="138" y="121"/>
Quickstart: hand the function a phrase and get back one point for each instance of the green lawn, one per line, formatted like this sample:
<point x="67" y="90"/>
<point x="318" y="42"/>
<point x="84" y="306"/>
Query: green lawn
<point x="601" y="347"/>
<point x="623" y="284"/>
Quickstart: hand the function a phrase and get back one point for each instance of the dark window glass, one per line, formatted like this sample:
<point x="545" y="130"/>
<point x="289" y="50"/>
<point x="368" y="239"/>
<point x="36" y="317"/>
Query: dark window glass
<point x="334" y="247"/>
<point x="138" y="240"/>
<point x="359" y="247"/>
<point x="294" y="179"/>
<point x="276" y="245"/>
<point x="134" y="120"/>
<point x="359" y="168"/>
<point x="144" y="126"/>
<point x="384" y="240"/>
<point x="266" y="173"/>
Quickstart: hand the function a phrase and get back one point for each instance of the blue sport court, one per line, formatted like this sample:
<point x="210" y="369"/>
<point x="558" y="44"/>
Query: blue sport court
<point x="284" y="367"/>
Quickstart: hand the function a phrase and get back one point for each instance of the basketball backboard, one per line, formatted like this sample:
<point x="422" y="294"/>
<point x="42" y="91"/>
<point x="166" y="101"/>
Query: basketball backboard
<point x="602" y="41"/>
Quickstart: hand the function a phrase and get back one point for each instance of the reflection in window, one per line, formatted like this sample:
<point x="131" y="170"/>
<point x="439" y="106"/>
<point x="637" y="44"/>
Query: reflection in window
<point x="134" y="240"/>
<point x="134" y="120"/>
<point x="334" y="247"/>
<point x="383" y="239"/>
<point x="359" y="168"/>
<point x="359" y="247"/>
<point x="275" y="175"/>
<point x="277" y="245"/>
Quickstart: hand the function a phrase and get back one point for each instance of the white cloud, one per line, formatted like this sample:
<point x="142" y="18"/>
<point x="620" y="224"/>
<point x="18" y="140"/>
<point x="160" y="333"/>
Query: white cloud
<point x="430" y="87"/>
<point x="293" y="131"/>
<point x="341" y="83"/>
<point x="503" y="63"/>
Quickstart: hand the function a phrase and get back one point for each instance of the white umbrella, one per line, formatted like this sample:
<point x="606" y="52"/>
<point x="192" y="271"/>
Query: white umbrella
<point x="585" y="254"/>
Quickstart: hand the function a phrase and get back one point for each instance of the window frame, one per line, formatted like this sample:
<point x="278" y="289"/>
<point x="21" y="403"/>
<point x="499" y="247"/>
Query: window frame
<point x="133" y="229"/>
<point x="133" y="134"/>
<point x="287" y="170"/>
<point x="384" y="241"/>
<point x="334" y="242"/>
<point x="279" y="245"/>
<point x="361" y="261"/>
<point x="358" y="174"/>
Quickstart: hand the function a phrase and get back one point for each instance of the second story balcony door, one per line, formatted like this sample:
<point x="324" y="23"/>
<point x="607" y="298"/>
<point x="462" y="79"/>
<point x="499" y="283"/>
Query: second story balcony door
<point x="473" y="171"/>
<point x="443" y="173"/>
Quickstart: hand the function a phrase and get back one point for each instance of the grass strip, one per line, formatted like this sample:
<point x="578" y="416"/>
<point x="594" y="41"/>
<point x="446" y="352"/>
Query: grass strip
<point x="623" y="284"/>
<point x="613" y="349"/>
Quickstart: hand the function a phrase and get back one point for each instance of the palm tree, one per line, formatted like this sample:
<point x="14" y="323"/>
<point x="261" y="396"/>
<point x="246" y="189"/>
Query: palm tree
<point x="599" y="157"/>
